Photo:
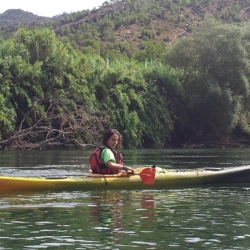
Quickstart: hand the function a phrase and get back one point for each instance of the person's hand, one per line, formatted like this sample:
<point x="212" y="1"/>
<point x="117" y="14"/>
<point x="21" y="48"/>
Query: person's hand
<point x="129" y="169"/>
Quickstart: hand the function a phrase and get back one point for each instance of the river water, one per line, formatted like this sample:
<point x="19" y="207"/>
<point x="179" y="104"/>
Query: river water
<point x="188" y="218"/>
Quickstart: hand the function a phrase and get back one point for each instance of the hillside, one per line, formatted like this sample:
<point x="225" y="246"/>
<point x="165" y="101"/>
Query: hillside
<point x="122" y="27"/>
<point x="15" y="17"/>
<point x="167" y="20"/>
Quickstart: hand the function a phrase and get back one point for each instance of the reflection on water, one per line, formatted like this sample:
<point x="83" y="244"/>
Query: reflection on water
<point x="74" y="161"/>
<point x="188" y="218"/>
<point x="212" y="218"/>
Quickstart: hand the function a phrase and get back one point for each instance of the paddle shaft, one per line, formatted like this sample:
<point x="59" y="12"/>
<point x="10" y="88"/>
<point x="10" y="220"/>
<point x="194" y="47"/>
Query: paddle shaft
<point x="147" y="175"/>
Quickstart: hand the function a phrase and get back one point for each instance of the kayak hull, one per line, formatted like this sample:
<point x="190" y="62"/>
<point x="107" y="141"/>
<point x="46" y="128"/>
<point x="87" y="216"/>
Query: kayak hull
<point x="164" y="178"/>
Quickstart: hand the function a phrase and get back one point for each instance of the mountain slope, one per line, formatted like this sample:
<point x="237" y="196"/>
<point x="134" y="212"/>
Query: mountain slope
<point x="18" y="16"/>
<point x="129" y="23"/>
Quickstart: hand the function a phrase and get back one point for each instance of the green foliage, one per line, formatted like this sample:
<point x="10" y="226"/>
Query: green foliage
<point x="216" y="63"/>
<point x="213" y="113"/>
<point x="134" y="95"/>
<point x="150" y="51"/>
<point x="36" y="68"/>
<point x="196" y="89"/>
<point x="163" y="101"/>
<point x="7" y="115"/>
<point x="124" y="86"/>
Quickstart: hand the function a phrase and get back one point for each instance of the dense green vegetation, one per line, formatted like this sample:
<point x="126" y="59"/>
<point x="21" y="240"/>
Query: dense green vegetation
<point x="55" y="90"/>
<point x="37" y="70"/>
<point x="216" y="65"/>
<point x="200" y="92"/>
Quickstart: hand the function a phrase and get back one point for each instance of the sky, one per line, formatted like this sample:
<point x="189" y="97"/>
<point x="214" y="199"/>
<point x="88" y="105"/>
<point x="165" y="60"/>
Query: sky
<point x="50" y="8"/>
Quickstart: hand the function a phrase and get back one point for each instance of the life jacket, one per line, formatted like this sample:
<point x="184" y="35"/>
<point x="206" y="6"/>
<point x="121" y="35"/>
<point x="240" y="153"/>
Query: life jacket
<point x="99" y="167"/>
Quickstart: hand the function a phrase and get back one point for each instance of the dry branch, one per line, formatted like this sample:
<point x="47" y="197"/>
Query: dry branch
<point x="58" y="129"/>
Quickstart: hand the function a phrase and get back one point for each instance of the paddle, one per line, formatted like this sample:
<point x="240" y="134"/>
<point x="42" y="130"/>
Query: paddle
<point x="148" y="175"/>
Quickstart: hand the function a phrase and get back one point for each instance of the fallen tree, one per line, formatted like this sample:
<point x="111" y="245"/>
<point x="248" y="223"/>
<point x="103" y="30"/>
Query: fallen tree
<point x="57" y="129"/>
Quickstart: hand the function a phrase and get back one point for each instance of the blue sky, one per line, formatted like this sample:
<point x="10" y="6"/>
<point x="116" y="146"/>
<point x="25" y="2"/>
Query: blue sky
<point x="50" y="8"/>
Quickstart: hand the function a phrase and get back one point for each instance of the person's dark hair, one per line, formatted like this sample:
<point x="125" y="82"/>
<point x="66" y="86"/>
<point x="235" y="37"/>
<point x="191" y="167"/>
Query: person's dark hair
<point x="108" y="133"/>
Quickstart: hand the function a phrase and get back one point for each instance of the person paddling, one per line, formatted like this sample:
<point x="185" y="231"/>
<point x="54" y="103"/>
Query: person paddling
<point x="104" y="159"/>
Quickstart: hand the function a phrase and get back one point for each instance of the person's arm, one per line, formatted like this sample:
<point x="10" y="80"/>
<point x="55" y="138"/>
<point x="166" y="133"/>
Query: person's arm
<point x="108" y="158"/>
<point x="114" y="165"/>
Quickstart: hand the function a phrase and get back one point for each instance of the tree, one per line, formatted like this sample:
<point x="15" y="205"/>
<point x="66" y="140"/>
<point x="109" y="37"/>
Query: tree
<point x="151" y="51"/>
<point x="45" y="99"/>
<point x="216" y="63"/>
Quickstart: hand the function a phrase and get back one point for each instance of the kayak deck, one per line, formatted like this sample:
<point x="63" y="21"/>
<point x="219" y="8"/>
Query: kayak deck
<point x="85" y="182"/>
<point x="164" y="178"/>
<point x="203" y="176"/>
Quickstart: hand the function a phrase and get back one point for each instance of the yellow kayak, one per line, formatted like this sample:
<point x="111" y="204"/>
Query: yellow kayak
<point x="143" y="178"/>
